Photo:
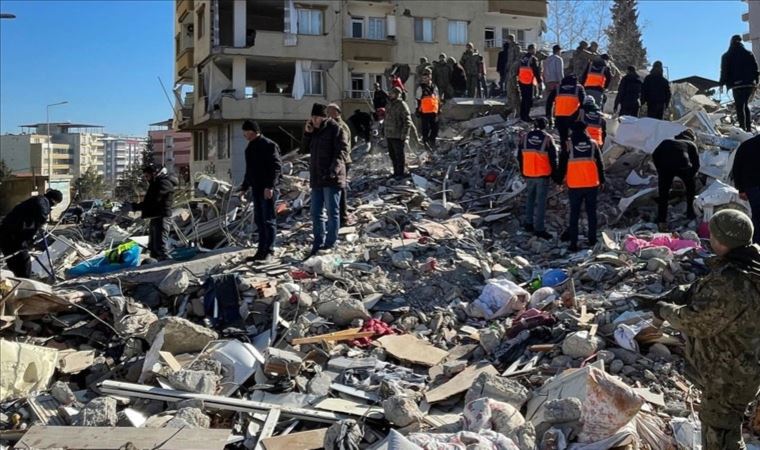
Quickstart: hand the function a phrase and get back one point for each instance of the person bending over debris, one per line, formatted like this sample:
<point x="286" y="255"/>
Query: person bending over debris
<point x="21" y="225"/>
<point x="718" y="317"/>
<point x="328" y="147"/>
<point x="581" y="164"/>
<point x="746" y="179"/>
<point x="565" y="102"/>
<point x="398" y="123"/>
<point x="157" y="206"/>
<point x="263" y="168"/>
<point x="677" y="157"/>
<point x="738" y="72"/>
<point x="537" y="157"/>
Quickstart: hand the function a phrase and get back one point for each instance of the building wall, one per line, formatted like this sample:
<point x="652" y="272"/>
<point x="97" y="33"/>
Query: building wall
<point x="753" y="20"/>
<point x="29" y="152"/>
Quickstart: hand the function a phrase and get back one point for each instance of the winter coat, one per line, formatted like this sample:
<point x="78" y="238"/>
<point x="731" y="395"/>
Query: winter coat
<point x="263" y="165"/>
<point x="328" y="147"/>
<point x="673" y="155"/>
<point x="470" y="62"/>
<point x="553" y="69"/>
<point x="629" y="91"/>
<point x="442" y="74"/>
<point x="398" y="120"/>
<point x="25" y="220"/>
<point x="655" y="89"/>
<point x="379" y="99"/>
<point x="746" y="169"/>
<point x="738" y="67"/>
<point x="580" y="61"/>
<point x="458" y="77"/>
<point x="159" y="199"/>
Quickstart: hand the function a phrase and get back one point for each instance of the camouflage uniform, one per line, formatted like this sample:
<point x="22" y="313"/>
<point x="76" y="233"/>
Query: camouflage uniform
<point x="423" y="66"/>
<point x="470" y="62"/>
<point x="513" y="93"/>
<point x="720" y="321"/>
<point x="442" y="78"/>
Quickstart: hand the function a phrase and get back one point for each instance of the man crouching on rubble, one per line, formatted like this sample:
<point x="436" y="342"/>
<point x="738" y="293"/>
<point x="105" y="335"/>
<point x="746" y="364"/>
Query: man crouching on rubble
<point x="157" y="206"/>
<point x="719" y="318"/>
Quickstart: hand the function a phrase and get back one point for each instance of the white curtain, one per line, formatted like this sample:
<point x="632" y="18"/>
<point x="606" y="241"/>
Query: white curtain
<point x="299" y="87"/>
<point x="218" y="82"/>
<point x="291" y="24"/>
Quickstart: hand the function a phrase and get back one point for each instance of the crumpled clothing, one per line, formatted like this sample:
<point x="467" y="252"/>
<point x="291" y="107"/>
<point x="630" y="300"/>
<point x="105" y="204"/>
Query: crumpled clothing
<point x="484" y="440"/>
<point x="343" y="435"/>
<point x="529" y="319"/>
<point x="500" y="297"/>
<point x="633" y="244"/>
<point x="378" y="327"/>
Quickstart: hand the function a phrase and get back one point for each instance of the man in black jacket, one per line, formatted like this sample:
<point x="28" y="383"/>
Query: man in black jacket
<point x="19" y="227"/>
<point x="157" y="206"/>
<point x="263" y="168"/>
<point x="629" y="93"/>
<point x="746" y="175"/>
<point x="379" y="97"/>
<point x="328" y="146"/>
<point x="677" y="157"/>
<point x="655" y="92"/>
<point x="738" y="72"/>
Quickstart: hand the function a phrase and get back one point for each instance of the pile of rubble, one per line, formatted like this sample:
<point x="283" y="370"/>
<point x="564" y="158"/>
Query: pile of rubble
<point x="435" y="324"/>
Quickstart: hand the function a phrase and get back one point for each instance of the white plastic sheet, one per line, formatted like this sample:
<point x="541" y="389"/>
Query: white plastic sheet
<point x="645" y="133"/>
<point x="500" y="297"/>
<point x="716" y="195"/>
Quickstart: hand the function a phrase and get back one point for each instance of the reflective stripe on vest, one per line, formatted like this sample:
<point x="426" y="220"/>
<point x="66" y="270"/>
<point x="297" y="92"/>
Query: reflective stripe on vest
<point x="595" y="78"/>
<point x="595" y="133"/>
<point x="536" y="161"/>
<point x="526" y="75"/>
<point x="429" y="104"/>
<point x="581" y="171"/>
<point x="565" y="105"/>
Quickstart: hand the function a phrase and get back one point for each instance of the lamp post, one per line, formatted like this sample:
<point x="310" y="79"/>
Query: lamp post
<point x="7" y="16"/>
<point x="49" y="141"/>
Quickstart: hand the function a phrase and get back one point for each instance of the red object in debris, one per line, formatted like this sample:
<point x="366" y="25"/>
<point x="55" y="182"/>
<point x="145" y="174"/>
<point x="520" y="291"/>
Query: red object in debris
<point x="378" y="327"/>
<point x="491" y="177"/>
<point x="281" y="207"/>
<point x="410" y="234"/>
<point x="703" y="230"/>
<point x="299" y="274"/>
<point x="430" y="265"/>
<point x="380" y="112"/>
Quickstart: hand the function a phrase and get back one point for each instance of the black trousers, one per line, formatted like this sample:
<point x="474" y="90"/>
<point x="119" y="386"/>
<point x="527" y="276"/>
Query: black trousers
<point x="21" y="263"/>
<point x="741" y="101"/>
<point x="579" y="197"/>
<point x="158" y="235"/>
<point x="265" y="218"/>
<point x="396" y="152"/>
<point x="655" y="110"/>
<point x="343" y="202"/>
<point x="563" y="126"/>
<point x="526" y="101"/>
<point x="629" y="110"/>
<point x="665" y="182"/>
<point x="429" y="128"/>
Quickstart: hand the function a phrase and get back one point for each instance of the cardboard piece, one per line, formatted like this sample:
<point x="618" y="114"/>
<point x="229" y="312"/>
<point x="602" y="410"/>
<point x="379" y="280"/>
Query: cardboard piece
<point x="407" y="347"/>
<point x="460" y="383"/>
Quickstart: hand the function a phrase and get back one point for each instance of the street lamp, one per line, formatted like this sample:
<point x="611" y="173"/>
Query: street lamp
<point x="7" y="16"/>
<point x="49" y="141"/>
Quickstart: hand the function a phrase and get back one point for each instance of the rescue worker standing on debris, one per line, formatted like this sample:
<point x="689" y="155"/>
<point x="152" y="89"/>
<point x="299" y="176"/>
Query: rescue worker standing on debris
<point x="458" y="78"/>
<point x="537" y="156"/>
<point x="564" y="103"/>
<point x="422" y="67"/>
<point x="580" y="164"/>
<point x="629" y="94"/>
<point x="746" y="179"/>
<point x="554" y="68"/>
<point x="334" y="112"/>
<point x="528" y="76"/>
<point x="21" y="225"/>
<point x="597" y="79"/>
<point x="328" y="147"/>
<point x="718" y="318"/>
<point x="738" y="72"/>
<point x="596" y="126"/>
<point x="398" y="123"/>
<point x="428" y="105"/>
<point x="442" y="77"/>
<point x="157" y="206"/>
<point x="503" y="62"/>
<point x="470" y="62"/>
<point x="263" y="168"/>
<point x="677" y="157"/>
<point x="581" y="58"/>
<point x="655" y="92"/>
<point x="379" y="97"/>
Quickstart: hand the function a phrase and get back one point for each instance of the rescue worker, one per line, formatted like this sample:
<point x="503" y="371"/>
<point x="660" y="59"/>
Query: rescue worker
<point x="745" y="174"/>
<point x="537" y="156"/>
<point x="580" y="164"/>
<point x="482" y="86"/>
<point x="21" y="225"/>
<point x="717" y="317"/>
<point x="398" y="123"/>
<point x="334" y="112"/>
<point x="554" y="69"/>
<point x="423" y="66"/>
<point x="580" y="60"/>
<point x="470" y="63"/>
<point x="677" y="157"/>
<point x="442" y="77"/>
<point x="379" y="97"/>
<point x="629" y="94"/>
<point x="597" y="79"/>
<point x="738" y="72"/>
<point x="458" y="78"/>
<point x="528" y="76"/>
<point x="157" y="206"/>
<point x="655" y="92"/>
<point x="564" y="104"/>
<point x="428" y="105"/>
<point x="513" y="90"/>
<point x="596" y="126"/>
<point x="509" y="53"/>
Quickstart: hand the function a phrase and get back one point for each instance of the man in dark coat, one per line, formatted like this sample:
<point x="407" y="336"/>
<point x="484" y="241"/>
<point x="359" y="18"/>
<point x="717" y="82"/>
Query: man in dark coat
<point x="379" y="97"/>
<point x="328" y="147"/>
<point x="629" y="94"/>
<point x="738" y="72"/>
<point x="157" y="206"/>
<point x="21" y="225"/>
<point x="746" y="175"/>
<point x="677" y="157"/>
<point x="458" y="78"/>
<point x="655" y="92"/>
<point x="263" y="168"/>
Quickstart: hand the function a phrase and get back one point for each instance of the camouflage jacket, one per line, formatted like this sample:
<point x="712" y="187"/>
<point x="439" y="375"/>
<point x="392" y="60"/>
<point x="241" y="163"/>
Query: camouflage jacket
<point x="398" y="120"/>
<point x="347" y="130"/>
<point x="470" y="61"/>
<point x="720" y="322"/>
<point x="441" y="74"/>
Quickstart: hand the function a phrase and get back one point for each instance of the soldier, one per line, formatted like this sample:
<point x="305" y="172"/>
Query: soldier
<point x="398" y="124"/>
<point x="470" y="61"/>
<point x="718" y="317"/>
<point x="513" y="94"/>
<point x="422" y="67"/>
<point x="442" y="77"/>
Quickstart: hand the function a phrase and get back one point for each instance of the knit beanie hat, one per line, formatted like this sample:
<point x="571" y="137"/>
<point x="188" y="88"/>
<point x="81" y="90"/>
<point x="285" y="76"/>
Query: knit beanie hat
<point x="319" y="110"/>
<point x="732" y="228"/>
<point x="397" y="90"/>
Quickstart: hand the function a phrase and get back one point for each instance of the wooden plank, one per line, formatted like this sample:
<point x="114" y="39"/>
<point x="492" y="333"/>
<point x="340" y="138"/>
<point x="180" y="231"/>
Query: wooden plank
<point x="593" y="330"/>
<point x="407" y="347"/>
<point x="170" y="361"/>
<point x="345" y="335"/>
<point x="114" y="438"/>
<point x="351" y="408"/>
<point x="460" y="383"/>
<point x="269" y="425"/>
<point x="305" y="440"/>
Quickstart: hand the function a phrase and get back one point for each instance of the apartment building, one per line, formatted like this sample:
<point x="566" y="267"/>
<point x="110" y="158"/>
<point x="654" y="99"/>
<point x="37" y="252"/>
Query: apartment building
<point x="84" y="140"/>
<point x="269" y="60"/>
<point x="120" y="153"/>
<point x="171" y="148"/>
<point x="29" y="153"/>
<point x="752" y="17"/>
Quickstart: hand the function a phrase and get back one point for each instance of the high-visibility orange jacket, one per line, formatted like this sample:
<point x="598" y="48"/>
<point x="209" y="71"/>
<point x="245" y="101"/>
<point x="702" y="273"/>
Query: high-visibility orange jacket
<point x="529" y="71"/>
<point x="583" y="164"/>
<point x="566" y="103"/>
<point x="595" y="126"/>
<point x="538" y="156"/>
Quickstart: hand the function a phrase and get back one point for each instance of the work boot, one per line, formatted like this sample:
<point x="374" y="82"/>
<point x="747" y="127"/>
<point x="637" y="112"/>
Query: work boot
<point x="528" y="227"/>
<point x="662" y="227"/>
<point x="544" y="235"/>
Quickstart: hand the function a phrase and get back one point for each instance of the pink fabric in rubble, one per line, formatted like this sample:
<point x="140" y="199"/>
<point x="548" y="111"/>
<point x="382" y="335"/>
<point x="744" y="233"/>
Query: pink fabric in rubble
<point x="633" y="244"/>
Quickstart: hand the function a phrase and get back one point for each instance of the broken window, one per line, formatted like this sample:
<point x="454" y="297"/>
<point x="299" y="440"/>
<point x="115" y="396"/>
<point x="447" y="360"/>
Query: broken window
<point x="457" y="32"/>
<point x="312" y="81"/>
<point x="357" y="27"/>
<point x="376" y="28"/>
<point x="199" y="146"/>
<point x="423" y="29"/>
<point x="490" y="37"/>
<point x="309" y="21"/>
<point x="357" y="85"/>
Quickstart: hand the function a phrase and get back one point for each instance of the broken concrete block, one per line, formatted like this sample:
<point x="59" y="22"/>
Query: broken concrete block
<point x="198" y="381"/>
<point x="401" y="411"/>
<point x="319" y="385"/>
<point x="282" y="362"/>
<point x="563" y="410"/>
<point x="606" y="356"/>
<point x="437" y="210"/>
<point x="100" y="412"/>
<point x="343" y="310"/>
<point x="490" y="339"/>
<point x="176" y="282"/>
<point x="616" y="366"/>
<point x="659" y="351"/>
<point x="189" y="418"/>
<point x="181" y="335"/>
<point x="63" y="393"/>
<point x="402" y="259"/>
<point x="452" y="368"/>
<point x="627" y="356"/>
<point x="497" y="388"/>
<point x="581" y="345"/>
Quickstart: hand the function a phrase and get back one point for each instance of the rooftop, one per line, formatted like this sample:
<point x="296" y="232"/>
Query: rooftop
<point x="65" y="125"/>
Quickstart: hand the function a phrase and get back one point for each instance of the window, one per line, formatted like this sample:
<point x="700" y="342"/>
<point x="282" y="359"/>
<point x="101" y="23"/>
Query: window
<point x="457" y="32"/>
<point x="357" y="85"/>
<point x="377" y="78"/>
<point x="201" y="21"/>
<point x="423" y="29"/>
<point x="309" y="21"/>
<point x="519" y="36"/>
<point x="376" y="28"/>
<point x="490" y="37"/>
<point x="199" y="146"/>
<point x="357" y="27"/>
<point x="312" y="81"/>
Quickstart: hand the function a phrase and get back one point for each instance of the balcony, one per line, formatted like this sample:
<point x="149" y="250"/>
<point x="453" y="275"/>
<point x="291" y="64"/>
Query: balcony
<point x="267" y="106"/>
<point x="534" y="8"/>
<point x="183" y="9"/>
<point x="368" y="50"/>
<point x="184" y="62"/>
<point x="272" y="44"/>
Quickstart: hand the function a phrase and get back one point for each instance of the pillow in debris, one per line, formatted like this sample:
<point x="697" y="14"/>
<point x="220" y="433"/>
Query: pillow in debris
<point x="500" y="297"/>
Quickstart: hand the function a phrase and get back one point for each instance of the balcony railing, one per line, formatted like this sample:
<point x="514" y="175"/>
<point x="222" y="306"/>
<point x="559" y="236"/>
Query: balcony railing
<point x="360" y="94"/>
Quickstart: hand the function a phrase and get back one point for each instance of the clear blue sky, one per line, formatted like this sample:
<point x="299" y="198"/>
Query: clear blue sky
<point x="104" y="57"/>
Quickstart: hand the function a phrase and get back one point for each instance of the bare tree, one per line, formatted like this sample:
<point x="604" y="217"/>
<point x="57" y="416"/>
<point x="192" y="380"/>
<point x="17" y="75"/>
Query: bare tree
<point x="572" y="21"/>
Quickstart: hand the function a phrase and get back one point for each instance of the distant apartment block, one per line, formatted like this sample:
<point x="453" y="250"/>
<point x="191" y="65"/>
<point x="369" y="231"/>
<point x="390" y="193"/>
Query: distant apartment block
<point x="269" y="60"/>
<point x="171" y="148"/>
<point x="752" y="17"/>
<point x="121" y="153"/>
<point x="29" y="154"/>
<point x="84" y="140"/>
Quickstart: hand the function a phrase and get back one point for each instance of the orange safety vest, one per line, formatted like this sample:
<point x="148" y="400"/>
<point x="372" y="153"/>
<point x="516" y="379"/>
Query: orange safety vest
<point x="429" y="104"/>
<point x="535" y="158"/>
<point x="566" y="104"/>
<point x="525" y="74"/>
<point x="595" y="78"/>
<point x="593" y="121"/>
<point x="581" y="170"/>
